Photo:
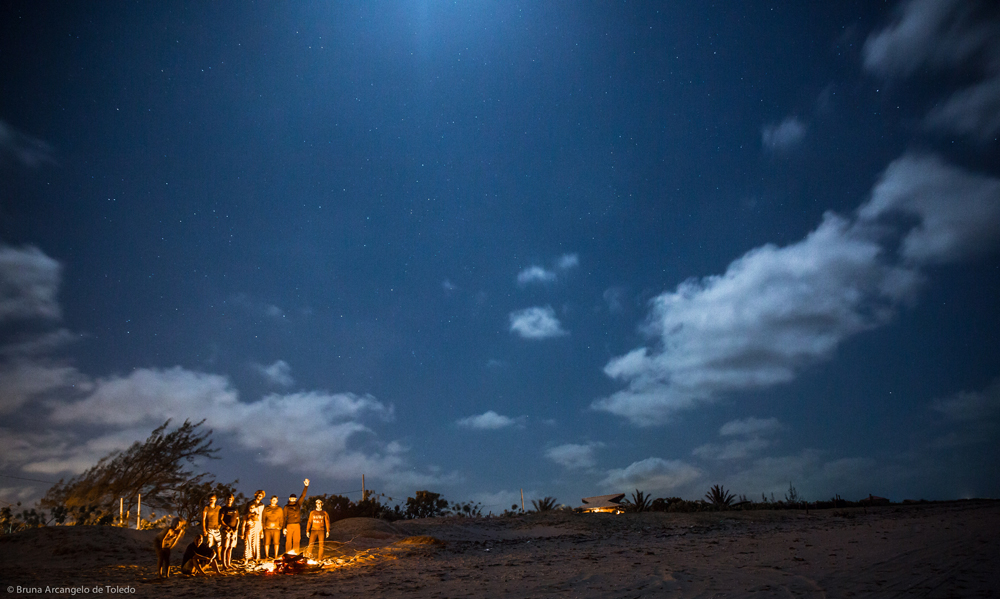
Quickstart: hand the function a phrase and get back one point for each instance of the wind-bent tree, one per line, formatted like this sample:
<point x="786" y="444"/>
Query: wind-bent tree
<point x="155" y="468"/>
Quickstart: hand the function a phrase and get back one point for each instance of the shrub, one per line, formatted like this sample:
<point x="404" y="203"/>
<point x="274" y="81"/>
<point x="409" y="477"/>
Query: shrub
<point x="719" y="497"/>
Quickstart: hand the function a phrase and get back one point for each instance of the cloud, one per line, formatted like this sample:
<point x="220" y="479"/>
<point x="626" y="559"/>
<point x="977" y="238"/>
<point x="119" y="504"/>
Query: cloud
<point x="489" y="420"/>
<point x="23" y="149"/>
<point x="970" y="406"/>
<point x="279" y="373"/>
<point x="257" y="307"/>
<point x="535" y="274"/>
<point x="615" y="298"/>
<point x="974" y="111"/>
<point x="59" y="420"/>
<point x="314" y="435"/>
<point x="752" y="432"/>
<point x="750" y="426"/>
<point x="941" y="35"/>
<point x="568" y="261"/>
<point x="959" y="211"/>
<point x="654" y="475"/>
<point x="34" y="344"/>
<point x="777" y="310"/>
<point x="536" y="323"/>
<point x="936" y="33"/>
<point x="29" y="282"/>
<point x="22" y="380"/>
<point x="774" y="311"/>
<point x="783" y="136"/>
<point x="574" y="456"/>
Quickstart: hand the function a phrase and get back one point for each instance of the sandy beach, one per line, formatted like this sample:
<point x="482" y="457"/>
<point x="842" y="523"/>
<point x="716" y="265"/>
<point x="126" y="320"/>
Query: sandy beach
<point x="925" y="550"/>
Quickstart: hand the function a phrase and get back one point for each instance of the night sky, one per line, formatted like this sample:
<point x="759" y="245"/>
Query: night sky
<point x="477" y="247"/>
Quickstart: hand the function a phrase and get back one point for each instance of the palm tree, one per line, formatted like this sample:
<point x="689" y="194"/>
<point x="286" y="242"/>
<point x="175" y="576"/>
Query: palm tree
<point x="544" y="505"/>
<point x="640" y="502"/>
<point x="719" y="496"/>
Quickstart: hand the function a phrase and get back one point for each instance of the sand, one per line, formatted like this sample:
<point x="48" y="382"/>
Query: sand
<point x="926" y="550"/>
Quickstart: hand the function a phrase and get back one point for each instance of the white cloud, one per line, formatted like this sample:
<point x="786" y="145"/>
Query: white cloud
<point x="750" y="426"/>
<point x="777" y="310"/>
<point x="21" y="148"/>
<point x="448" y="286"/>
<point x="535" y="274"/>
<point x="774" y="311"/>
<point x="314" y="432"/>
<point x="279" y="373"/>
<point x="489" y="420"/>
<point x="77" y="419"/>
<point x="959" y="211"/>
<point x="568" y="261"/>
<point x="29" y="282"/>
<point x="783" y="136"/>
<point x="536" y="323"/>
<point x="940" y="35"/>
<point x="654" y="475"/>
<point x="574" y="456"/>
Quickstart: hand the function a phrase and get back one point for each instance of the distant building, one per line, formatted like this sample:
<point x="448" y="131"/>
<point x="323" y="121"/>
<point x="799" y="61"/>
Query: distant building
<point x="610" y="504"/>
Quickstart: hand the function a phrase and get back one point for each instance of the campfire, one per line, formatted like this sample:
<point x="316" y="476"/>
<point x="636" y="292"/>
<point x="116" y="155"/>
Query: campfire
<point x="292" y="563"/>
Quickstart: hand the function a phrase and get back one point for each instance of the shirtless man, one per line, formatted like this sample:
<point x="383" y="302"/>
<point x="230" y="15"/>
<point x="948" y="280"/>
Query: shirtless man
<point x="165" y="541"/>
<point x="229" y="518"/>
<point x="318" y="528"/>
<point x="293" y="515"/>
<point x="210" y="522"/>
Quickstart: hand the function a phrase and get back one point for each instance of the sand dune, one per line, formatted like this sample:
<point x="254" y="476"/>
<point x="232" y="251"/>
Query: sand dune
<point x="930" y="550"/>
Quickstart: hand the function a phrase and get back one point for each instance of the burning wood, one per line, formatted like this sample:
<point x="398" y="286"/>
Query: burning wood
<point x="291" y="563"/>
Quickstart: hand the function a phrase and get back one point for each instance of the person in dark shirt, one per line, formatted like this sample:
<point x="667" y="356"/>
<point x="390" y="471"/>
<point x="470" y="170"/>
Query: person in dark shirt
<point x="229" y="518"/>
<point x="318" y="529"/>
<point x="273" y="519"/>
<point x="293" y="517"/>
<point x="210" y="521"/>
<point x="198" y="555"/>
<point x="165" y="541"/>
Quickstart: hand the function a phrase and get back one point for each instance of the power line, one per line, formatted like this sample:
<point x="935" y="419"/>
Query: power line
<point x="31" y="479"/>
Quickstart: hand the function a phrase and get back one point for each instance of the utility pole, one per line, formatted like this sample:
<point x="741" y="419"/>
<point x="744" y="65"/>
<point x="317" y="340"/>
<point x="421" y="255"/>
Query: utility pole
<point x="522" y="500"/>
<point x="364" y="493"/>
<point x="138" y="511"/>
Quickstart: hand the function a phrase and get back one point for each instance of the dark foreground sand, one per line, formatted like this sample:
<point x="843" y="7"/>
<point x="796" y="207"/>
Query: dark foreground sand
<point x="928" y="550"/>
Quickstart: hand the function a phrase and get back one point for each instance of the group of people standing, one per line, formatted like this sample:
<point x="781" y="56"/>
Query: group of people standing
<point x="222" y="526"/>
